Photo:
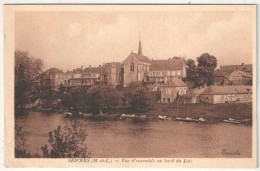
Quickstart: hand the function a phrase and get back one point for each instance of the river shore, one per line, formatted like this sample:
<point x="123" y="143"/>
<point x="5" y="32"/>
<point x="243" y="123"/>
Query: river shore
<point x="211" y="113"/>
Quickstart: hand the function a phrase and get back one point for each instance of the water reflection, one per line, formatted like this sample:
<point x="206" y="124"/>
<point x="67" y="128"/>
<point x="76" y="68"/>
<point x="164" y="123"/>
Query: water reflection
<point x="153" y="139"/>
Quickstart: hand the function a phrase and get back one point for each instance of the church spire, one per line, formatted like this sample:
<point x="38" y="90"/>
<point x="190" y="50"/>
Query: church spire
<point x="140" y="47"/>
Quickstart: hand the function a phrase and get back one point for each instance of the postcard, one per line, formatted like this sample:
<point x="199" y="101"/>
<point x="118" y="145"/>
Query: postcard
<point x="130" y="86"/>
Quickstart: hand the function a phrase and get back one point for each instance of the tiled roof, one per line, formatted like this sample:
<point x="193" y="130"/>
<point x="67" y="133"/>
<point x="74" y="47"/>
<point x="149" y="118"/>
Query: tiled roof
<point x="92" y="70"/>
<point x="141" y="58"/>
<point x="112" y="64"/>
<point x="164" y="65"/>
<point x="238" y="89"/>
<point x="230" y="68"/>
<point x="53" y="71"/>
<point x="245" y="74"/>
<point x="175" y="82"/>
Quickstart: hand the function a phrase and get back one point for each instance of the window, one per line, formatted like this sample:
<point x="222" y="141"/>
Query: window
<point x="132" y="67"/>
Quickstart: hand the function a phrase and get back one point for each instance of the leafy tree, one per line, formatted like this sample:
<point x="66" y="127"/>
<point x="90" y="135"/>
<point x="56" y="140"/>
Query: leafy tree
<point x="101" y="97"/>
<point x="141" y="98"/>
<point x="78" y="95"/>
<point x="69" y="142"/>
<point x="26" y="69"/>
<point x="206" y="66"/>
<point x="192" y="74"/>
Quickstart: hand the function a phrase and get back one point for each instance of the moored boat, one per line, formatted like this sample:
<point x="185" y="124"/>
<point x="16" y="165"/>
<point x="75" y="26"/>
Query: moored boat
<point x="86" y="115"/>
<point x="67" y="114"/>
<point x="231" y="120"/>
<point x="163" y="117"/>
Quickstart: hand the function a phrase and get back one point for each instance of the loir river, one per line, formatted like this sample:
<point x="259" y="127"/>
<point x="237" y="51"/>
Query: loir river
<point x="167" y="139"/>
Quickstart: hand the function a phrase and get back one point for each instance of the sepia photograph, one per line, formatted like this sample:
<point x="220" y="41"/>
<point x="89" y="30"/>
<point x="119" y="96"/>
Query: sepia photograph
<point x="132" y="83"/>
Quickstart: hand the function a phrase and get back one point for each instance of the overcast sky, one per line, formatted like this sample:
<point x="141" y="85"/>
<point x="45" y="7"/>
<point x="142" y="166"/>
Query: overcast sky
<point x="67" y="40"/>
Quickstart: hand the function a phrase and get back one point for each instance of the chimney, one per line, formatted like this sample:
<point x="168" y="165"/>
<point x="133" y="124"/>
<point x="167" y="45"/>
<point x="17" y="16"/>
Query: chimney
<point x="81" y="67"/>
<point x="99" y="66"/>
<point x="242" y="64"/>
<point x="89" y="66"/>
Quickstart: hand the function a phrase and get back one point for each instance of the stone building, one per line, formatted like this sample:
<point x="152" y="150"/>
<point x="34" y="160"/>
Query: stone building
<point x="238" y="77"/>
<point x="135" y="67"/>
<point x="112" y="74"/>
<point x="52" y="79"/>
<point x="171" y="89"/>
<point x="227" y="94"/>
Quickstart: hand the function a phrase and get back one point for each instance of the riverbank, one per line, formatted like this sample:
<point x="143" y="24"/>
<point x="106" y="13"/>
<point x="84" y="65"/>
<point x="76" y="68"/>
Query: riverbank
<point x="212" y="113"/>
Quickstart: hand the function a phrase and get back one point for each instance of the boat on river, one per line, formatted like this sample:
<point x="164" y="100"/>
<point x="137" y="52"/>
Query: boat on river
<point x="187" y="119"/>
<point x="160" y="117"/>
<point x="47" y="110"/>
<point x="67" y="114"/>
<point x="86" y="115"/>
<point x="231" y="120"/>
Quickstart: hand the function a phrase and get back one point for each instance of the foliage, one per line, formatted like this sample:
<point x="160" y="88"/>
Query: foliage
<point x="192" y="75"/>
<point x="141" y="98"/>
<point x="20" y="149"/>
<point x="26" y="69"/>
<point x="69" y="142"/>
<point x="206" y="66"/>
<point x="101" y="97"/>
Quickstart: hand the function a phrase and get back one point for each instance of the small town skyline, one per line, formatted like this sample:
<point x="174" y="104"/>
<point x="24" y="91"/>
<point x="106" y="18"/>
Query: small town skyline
<point x="68" y="40"/>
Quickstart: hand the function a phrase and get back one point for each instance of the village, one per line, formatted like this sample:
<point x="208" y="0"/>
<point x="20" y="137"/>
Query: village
<point x="165" y="79"/>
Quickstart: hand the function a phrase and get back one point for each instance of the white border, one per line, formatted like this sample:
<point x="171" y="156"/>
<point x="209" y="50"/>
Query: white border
<point x="102" y="2"/>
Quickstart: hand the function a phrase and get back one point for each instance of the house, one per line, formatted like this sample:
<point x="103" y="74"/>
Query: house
<point x="112" y="73"/>
<point x="194" y="94"/>
<point x="171" y="89"/>
<point x="87" y="77"/>
<point x="52" y="79"/>
<point x="170" y="68"/>
<point x="228" y="69"/>
<point x="220" y="78"/>
<point x="238" y="77"/>
<point x="227" y="94"/>
<point x="135" y="67"/>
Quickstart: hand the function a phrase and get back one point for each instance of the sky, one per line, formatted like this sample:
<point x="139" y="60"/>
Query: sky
<point x="68" y="40"/>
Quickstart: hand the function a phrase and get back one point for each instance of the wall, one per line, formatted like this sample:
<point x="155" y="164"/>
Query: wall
<point x="137" y="75"/>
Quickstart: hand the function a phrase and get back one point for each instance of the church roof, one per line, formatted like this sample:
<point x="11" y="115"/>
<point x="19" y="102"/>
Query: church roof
<point x="141" y="58"/>
<point x="169" y="64"/>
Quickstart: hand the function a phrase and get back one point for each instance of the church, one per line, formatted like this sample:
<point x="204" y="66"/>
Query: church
<point x="136" y="67"/>
<point x="139" y="68"/>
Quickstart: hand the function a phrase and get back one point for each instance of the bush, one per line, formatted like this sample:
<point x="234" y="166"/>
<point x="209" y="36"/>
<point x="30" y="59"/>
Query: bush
<point x="20" y="148"/>
<point x="68" y="142"/>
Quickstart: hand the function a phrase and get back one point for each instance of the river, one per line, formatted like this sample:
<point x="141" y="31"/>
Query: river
<point x="167" y="139"/>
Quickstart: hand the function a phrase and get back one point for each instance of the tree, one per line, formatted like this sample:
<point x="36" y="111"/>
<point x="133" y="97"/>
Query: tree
<point x="69" y="142"/>
<point x="141" y="98"/>
<point x="206" y="66"/>
<point x="102" y="97"/>
<point x="192" y="74"/>
<point x="26" y="69"/>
